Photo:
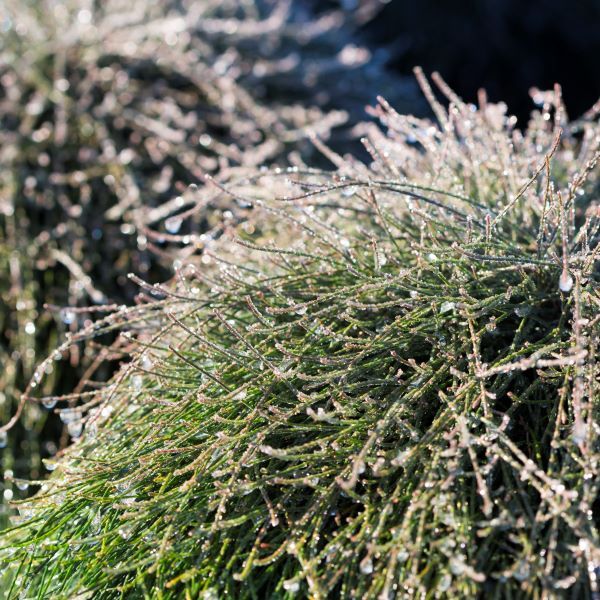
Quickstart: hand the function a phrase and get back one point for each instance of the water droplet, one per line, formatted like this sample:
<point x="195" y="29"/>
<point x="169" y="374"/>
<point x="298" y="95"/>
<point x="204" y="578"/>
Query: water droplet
<point x="123" y="486"/>
<point x="447" y="306"/>
<point x="401" y="458"/>
<point x="91" y="429"/>
<point x="49" y="403"/>
<point x="84" y="16"/>
<point x="147" y="362"/>
<point x="68" y="415"/>
<point x="30" y="328"/>
<point x="522" y="311"/>
<point x="565" y="283"/>
<point x="522" y="571"/>
<point x="366" y="565"/>
<point x="491" y="326"/>
<point x="3" y="439"/>
<point x="137" y="382"/>
<point x="444" y="583"/>
<point x="97" y="522"/>
<point x="75" y="428"/>
<point x="291" y="585"/>
<point x="67" y="316"/>
<point x="205" y="140"/>
<point x="579" y="432"/>
<point x="457" y="565"/>
<point x="173" y="224"/>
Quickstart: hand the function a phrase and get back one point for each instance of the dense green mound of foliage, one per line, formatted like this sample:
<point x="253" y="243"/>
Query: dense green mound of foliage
<point x="382" y="384"/>
<point x="108" y="109"/>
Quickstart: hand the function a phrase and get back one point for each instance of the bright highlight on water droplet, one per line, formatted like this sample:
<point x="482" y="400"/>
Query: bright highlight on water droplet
<point x="22" y="484"/>
<point x="49" y="403"/>
<point x="50" y="465"/>
<point x="491" y="325"/>
<point x="565" y="283"/>
<point x="522" y="310"/>
<point x="447" y="306"/>
<point x="68" y="415"/>
<point x="291" y="586"/>
<point x="366" y="566"/>
<point x="75" y="428"/>
<point x="137" y="381"/>
<point x="444" y="583"/>
<point x="173" y="225"/>
<point x="146" y="362"/>
<point x="68" y="316"/>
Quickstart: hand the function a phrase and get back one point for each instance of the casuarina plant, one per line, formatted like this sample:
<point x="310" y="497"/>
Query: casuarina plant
<point x="381" y="383"/>
<point x="107" y="110"/>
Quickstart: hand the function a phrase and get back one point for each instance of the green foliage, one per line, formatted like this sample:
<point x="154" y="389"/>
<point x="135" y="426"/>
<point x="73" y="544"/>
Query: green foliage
<point x="107" y="110"/>
<point x="382" y="383"/>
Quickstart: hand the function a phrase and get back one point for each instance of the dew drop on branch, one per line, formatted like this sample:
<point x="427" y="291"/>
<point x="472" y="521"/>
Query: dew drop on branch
<point x="137" y="382"/>
<point x="75" y="428"/>
<point x="67" y="316"/>
<point x="173" y="224"/>
<point x="291" y="586"/>
<point x="565" y="283"/>
<point x="447" y="306"/>
<point x="366" y="566"/>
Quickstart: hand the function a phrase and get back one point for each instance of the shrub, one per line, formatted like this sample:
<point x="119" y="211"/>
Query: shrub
<point x="106" y="112"/>
<point x="381" y="384"/>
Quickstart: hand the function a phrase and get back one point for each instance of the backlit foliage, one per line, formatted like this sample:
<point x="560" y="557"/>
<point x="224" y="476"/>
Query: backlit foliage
<point x="380" y="383"/>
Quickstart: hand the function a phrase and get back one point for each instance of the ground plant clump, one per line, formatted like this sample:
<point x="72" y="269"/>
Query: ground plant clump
<point x="109" y="109"/>
<point x="382" y="383"/>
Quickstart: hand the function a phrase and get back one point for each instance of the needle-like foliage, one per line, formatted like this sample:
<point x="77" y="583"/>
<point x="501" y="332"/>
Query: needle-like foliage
<point x="382" y="384"/>
<point x="110" y="108"/>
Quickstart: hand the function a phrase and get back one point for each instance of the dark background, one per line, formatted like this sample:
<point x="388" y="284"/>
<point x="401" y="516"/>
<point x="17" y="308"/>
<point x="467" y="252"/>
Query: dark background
<point x="504" y="46"/>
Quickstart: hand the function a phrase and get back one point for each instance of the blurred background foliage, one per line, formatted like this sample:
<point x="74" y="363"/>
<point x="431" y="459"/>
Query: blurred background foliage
<point x="108" y="109"/>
